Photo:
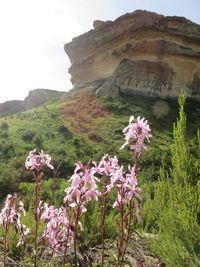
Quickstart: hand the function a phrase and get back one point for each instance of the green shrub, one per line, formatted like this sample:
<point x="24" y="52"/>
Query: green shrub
<point x="28" y="135"/>
<point x="38" y="141"/>
<point x="6" y="150"/>
<point x="4" y="125"/>
<point x="64" y="131"/>
<point x="172" y="207"/>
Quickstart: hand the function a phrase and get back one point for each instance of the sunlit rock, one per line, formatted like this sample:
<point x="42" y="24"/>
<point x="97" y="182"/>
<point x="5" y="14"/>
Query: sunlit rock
<point x="138" y="53"/>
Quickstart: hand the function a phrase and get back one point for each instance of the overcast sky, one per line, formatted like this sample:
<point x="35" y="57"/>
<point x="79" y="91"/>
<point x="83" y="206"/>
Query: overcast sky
<point x="33" y="33"/>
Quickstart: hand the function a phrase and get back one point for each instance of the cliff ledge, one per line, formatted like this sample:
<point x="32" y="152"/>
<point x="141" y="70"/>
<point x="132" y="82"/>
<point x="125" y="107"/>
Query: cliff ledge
<point x="138" y="53"/>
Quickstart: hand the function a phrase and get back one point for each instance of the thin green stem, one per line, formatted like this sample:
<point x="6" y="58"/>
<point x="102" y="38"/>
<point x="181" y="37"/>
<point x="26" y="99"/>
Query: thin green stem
<point x="128" y="229"/>
<point x="65" y="252"/>
<point x="5" y="248"/>
<point x="103" y="214"/>
<point x="37" y="202"/>
<point x="75" y="234"/>
<point x="121" y="232"/>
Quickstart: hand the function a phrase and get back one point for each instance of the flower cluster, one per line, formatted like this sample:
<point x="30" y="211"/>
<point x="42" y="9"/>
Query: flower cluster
<point x="83" y="187"/>
<point x="38" y="160"/>
<point x="108" y="165"/>
<point x="128" y="189"/>
<point x="11" y="215"/>
<point x="136" y="133"/>
<point x="57" y="234"/>
<point x="126" y="184"/>
<point x="62" y="224"/>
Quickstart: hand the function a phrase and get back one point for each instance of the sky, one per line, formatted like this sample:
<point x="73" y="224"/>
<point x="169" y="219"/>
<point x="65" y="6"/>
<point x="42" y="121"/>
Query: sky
<point x="33" y="34"/>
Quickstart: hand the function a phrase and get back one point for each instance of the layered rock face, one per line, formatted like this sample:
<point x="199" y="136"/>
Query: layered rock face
<point x="138" y="53"/>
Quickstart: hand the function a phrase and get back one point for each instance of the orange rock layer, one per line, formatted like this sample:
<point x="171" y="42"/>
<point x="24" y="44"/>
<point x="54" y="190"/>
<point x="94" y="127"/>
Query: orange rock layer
<point x="138" y="53"/>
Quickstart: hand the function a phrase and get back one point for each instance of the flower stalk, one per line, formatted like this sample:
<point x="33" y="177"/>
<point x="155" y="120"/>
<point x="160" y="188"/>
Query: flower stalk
<point x="103" y="216"/>
<point x="5" y="248"/>
<point x="36" y="214"/>
<point x="36" y="161"/>
<point x="11" y="215"/>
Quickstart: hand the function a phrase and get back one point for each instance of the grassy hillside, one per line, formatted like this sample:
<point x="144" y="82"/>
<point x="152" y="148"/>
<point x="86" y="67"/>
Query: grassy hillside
<point x="83" y="127"/>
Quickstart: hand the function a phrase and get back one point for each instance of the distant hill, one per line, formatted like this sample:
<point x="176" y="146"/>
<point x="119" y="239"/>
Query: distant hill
<point x="38" y="97"/>
<point x="34" y="99"/>
<point x="11" y="107"/>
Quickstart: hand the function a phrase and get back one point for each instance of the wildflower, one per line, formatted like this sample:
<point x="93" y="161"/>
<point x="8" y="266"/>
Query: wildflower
<point x="108" y="165"/>
<point x="83" y="187"/>
<point x="11" y="215"/>
<point x="57" y="233"/>
<point x="136" y="133"/>
<point x="128" y="188"/>
<point x="132" y="184"/>
<point x="38" y="160"/>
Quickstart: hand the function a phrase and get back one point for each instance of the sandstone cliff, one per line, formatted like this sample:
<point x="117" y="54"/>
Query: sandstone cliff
<point x="138" y="53"/>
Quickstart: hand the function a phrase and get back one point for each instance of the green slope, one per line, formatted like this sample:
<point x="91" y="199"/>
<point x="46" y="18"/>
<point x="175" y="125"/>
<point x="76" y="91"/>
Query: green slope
<point x="83" y="127"/>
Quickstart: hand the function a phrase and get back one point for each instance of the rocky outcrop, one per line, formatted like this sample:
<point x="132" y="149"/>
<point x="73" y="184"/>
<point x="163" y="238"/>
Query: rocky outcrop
<point x="34" y="99"/>
<point x="38" y="97"/>
<point x="138" y="53"/>
<point x="10" y="107"/>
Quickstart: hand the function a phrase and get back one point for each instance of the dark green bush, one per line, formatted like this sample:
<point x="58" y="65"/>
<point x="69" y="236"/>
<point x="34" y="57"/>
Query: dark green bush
<point x="64" y="131"/>
<point x="38" y="141"/>
<point x="4" y="125"/>
<point x="28" y="135"/>
<point x="6" y="150"/>
<point x="172" y="210"/>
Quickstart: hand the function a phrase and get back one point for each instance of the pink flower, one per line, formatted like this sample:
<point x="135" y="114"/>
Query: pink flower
<point x="57" y="233"/>
<point x="136" y="133"/>
<point x="132" y="184"/>
<point x="83" y="187"/>
<point x="38" y="160"/>
<point x="108" y="165"/>
<point x="11" y="215"/>
<point x="128" y="189"/>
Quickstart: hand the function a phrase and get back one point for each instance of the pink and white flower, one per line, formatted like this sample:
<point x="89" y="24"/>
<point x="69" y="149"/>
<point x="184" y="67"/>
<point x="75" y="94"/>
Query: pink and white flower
<point x="58" y="233"/>
<point x="38" y="160"/>
<point x="83" y="187"/>
<point x="11" y="215"/>
<point x="136" y="133"/>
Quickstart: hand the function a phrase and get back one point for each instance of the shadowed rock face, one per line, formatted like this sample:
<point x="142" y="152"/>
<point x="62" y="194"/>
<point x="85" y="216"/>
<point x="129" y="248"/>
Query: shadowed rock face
<point x="138" y="53"/>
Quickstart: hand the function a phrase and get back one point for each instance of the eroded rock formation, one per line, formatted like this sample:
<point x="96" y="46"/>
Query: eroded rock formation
<point x="138" y="53"/>
<point x="35" y="98"/>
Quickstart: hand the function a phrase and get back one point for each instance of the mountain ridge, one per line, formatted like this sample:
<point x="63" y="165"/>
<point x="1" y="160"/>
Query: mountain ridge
<point x="34" y="99"/>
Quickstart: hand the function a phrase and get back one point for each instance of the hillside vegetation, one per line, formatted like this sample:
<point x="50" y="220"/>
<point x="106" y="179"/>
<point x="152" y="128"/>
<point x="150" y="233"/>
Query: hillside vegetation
<point x="83" y="127"/>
